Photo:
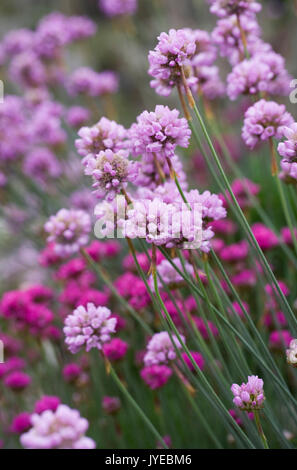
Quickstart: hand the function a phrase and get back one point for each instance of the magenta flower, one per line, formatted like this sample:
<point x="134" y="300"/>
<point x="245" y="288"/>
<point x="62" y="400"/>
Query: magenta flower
<point x="47" y="402"/>
<point x="68" y="230"/>
<point x="265" y="237"/>
<point x="156" y="376"/>
<point x="174" y="50"/>
<point x="249" y="396"/>
<point x="88" y="328"/>
<point x="60" y="429"/>
<point x="17" y="381"/>
<point x="249" y="77"/>
<point x="21" y="423"/>
<point x="198" y="358"/>
<point x="161" y="350"/>
<point x="118" y="7"/>
<point x="263" y="120"/>
<point x="115" y="350"/>
<point x="77" y="116"/>
<point x="42" y="165"/>
<point x="159" y="132"/>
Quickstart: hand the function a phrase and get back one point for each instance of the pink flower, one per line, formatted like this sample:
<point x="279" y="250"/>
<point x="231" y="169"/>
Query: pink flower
<point x="115" y="350"/>
<point x="17" y="381"/>
<point x="63" y="428"/>
<point x="21" y="423"/>
<point x="156" y="376"/>
<point x="249" y="396"/>
<point x="265" y="237"/>
<point x="111" y="405"/>
<point x="47" y="402"/>
<point x="71" y="372"/>
<point x="161" y="349"/>
<point x="88" y="328"/>
<point x="280" y="339"/>
<point x="198" y="358"/>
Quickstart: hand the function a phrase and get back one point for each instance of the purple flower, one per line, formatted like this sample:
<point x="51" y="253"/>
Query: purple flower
<point x="84" y="81"/>
<point x="60" y="429"/>
<point x="156" y="376"/>
<point x="161" y="350"/>
<point x="224" y="8"/>
<point x="263" y="120"/>
<point x="110" y="172"/>
<point x="71" y="372"/>
<point x="249" y="396"/>
<point x="288" y="150"/>
<point x="104" y="135"/>
<point x="108" y="82"/>
<point x="41" y="164"/>
<point x="80" y="27"/>
<point x="77" y="116"/>
<point x="226" y="35"/>
<point x="159" y="132"/>
<point x="198" y="358"/>
<point x="249" y="77"/>
<point x="69" y="230"/>
<point x="88" y="328"/>
<point x="17" y="41"/>
<point x="169" y="275"/>
<point x="118" y="7"/>
<point x="209" y="83"/>
<point x="205" y="53"/>
<point x="265" y="237"/>
<point x="174" y="50"/>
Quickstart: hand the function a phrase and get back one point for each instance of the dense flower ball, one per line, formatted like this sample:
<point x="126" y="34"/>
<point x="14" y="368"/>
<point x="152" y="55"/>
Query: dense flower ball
<point x="292" y="353"/>
<point x="249" y="77"/>
<point x="174" y="50"/>
<point x="103" y="135"/>
<point x="249" y="396"/>
<point x="159" y="132"/>
<point x="21" y="423"/>
<point x="110" y="172"/>
<point x="118" y="7"/>
<point x="155" y="376"/>
<point x="226" y="35"/>
<point x="71" y="372"/>
<point x="84" y="81"/>
<point x="47" y="402"/>
<point x="265" y="237"/>
<point x="115" y="349"/>
<point x="88" y="328"/>
<point x="161" y="350"/>
<point x="60" y="429"/>
<point x="42" y="165"/>
<point x="68" y="230"/>
<point x="205" y="53"/>
<point x="263" y="120"/>
<point x="224" y="8"/>
<point x="17" y="381"/>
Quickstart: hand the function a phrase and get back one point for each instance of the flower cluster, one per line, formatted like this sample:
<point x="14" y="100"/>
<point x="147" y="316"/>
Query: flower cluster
<point x="60" y="429"/>
<point x="88" y="327"/>
<point x="161" y="349"/>
<point x="249" y="396"/>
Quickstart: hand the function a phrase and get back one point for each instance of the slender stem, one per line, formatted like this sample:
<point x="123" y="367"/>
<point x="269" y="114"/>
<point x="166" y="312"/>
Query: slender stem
<point x="260" y="429"/>
<point x="135" y="405"/>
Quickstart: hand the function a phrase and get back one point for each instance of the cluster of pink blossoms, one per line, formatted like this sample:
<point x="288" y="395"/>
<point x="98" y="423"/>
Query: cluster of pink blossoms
<point x="249" y="396"/>
<point x="161" y="349"/>
<point x="113" y="8"/>
<point x="224" y="8"/>
<point x="288" y="150"/>
<point x="68" y="230"/>
<point x="63" y="428"/>
<point x="86" y="81"/>
<point x="88" y="327"/>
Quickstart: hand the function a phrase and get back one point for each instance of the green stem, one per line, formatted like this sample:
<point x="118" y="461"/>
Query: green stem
<point x="136" y="406"/>
<point x="260" y="429"/>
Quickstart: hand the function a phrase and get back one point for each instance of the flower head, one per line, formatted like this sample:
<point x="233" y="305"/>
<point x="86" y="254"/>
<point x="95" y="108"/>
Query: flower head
<point x="159" y="132"/>
<point x="103" y="135"/>
<point x="174" y="50"/>
<point x="249" y="396"/>
<point x="110" y="172"/>
<point x="156" y="376"/>
<point x="118" y="7"/>
<point x="63" y="428"/>
<point x="263" y="120"/>
<point x="161" y="350"/>
<point x="69" y="230"/>
<point x="88" y="328"/>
